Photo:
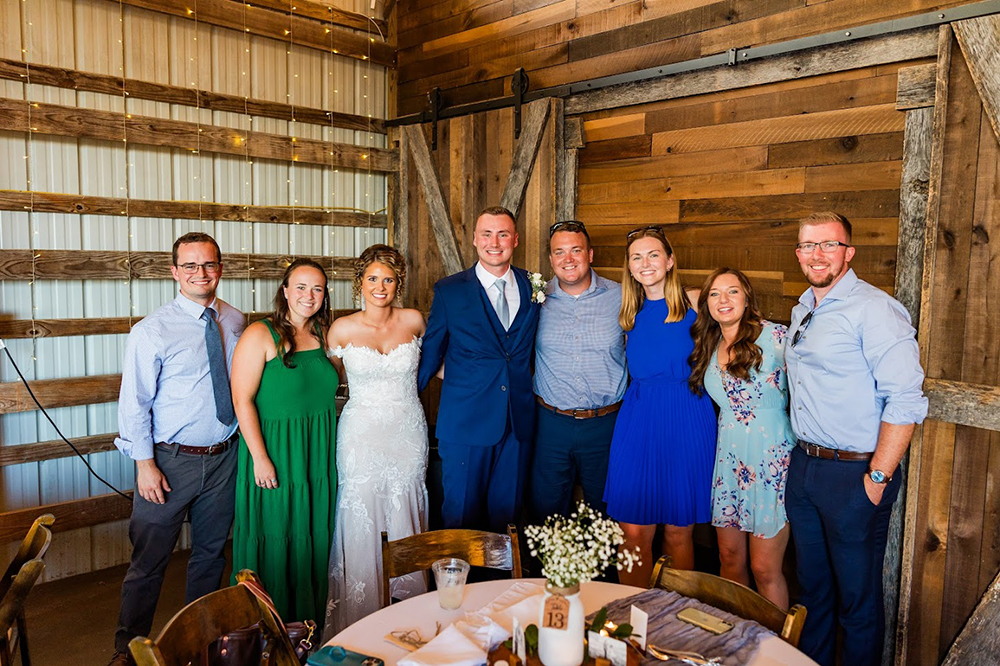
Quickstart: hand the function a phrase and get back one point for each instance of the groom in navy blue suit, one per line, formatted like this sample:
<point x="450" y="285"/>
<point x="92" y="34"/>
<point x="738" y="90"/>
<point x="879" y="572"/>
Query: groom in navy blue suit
<point x="482" y="328"/>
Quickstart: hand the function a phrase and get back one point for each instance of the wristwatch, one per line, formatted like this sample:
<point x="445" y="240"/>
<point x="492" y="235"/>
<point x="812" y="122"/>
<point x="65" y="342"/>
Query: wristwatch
<point x="878" y="476"/>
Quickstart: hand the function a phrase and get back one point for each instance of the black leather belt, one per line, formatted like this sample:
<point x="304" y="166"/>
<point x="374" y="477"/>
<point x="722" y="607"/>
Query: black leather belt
<point x="581" y="413"/>
<point x="211" y="450"/>
<point x="817" y="451"/>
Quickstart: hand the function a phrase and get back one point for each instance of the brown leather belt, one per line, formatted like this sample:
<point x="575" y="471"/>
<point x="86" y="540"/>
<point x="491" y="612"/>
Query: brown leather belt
<point x="581" y="413"/>
<point x="211" y="450"/>
<point x="817" y="451"/>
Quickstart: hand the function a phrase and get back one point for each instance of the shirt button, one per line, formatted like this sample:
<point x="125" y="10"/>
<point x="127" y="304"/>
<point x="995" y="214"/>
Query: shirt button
<point x="503" y="388"/>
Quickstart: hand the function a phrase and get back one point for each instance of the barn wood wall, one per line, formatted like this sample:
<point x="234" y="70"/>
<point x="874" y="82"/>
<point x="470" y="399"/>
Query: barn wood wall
<point x="470" y="49"/>
<point x="730" y="173"/>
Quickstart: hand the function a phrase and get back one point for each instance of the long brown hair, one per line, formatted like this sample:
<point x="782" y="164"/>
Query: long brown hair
<point x="744" y="353"/>
<point x="633" y="295"/>
<point x="317" y="325"/>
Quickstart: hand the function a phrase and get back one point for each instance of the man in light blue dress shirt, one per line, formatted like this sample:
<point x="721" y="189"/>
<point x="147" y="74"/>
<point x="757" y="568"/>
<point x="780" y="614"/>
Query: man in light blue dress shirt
<point x="855" y="379"/>
<point x="176" y="420"/>
<point x="580" y="377"/>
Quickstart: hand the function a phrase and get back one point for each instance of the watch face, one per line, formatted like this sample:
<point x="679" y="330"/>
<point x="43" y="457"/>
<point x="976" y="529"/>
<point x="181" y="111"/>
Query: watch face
<point x="877" y="476"/>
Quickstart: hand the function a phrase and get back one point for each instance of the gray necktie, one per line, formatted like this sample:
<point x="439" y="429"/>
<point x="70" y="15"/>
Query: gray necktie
<point x="217" y="369"/>
<point x="503" y="310"/>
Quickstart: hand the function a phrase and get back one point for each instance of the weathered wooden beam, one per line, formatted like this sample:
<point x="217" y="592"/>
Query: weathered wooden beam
<point x="319" y="11"/>
<point x="898" y="47"/>
<point x="55" y="448"/>
<point x="913" y="209"/>
<point x="117" y="265"/>
<point x="245" y="17"/>
<point x="401" y="201"/>
<point x="963" y="403"/>
<point x="52" y="202"/>
<point x="19" y="329"/>
<point x="979" y="39"/>
<point x="74" y="79"/>
<point x="573" y="133"/>
<point x="70" y="515"/>
<point x="523" y="162"/>
<point x="144" y="130"/>
<point x="53" y="393"/>
<point x="430" y="185"/>
<point x="915" y="87"/>
<point x="979" y="642"/>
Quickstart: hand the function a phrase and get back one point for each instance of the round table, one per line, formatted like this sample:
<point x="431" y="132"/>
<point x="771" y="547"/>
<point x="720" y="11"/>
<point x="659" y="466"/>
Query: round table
<point x="366" y="636"/>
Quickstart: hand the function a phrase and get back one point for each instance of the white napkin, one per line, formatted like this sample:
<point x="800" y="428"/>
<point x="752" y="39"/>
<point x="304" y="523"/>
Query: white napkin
<point x="466" y="642"/>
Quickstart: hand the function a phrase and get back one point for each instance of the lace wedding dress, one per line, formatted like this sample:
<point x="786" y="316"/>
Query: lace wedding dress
<point x="381" y="470"/>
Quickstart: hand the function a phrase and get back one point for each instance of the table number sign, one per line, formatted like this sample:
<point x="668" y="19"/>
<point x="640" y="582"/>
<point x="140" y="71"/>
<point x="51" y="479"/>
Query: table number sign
<point x="556" y="612"/>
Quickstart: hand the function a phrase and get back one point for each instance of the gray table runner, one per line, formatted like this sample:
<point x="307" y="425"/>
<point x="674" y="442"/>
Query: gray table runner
<point x="665" y="630"/>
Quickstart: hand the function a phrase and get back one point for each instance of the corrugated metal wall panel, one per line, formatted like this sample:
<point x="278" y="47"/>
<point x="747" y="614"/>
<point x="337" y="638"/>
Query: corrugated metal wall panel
<point x="102" y="37"/>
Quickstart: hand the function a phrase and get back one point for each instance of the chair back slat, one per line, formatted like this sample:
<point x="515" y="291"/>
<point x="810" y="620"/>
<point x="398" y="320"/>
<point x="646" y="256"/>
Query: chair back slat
<point x="207" y="619"/>
<point x="731" y="597"/>
<point x="420" y="551"/>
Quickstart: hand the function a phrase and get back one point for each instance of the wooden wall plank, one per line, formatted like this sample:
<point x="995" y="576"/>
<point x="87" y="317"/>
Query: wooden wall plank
<point x="979" y="39"/>
<point x="747" y="158"/>
<point x="52" y="202"/>
<point x="99" y="265"/>
<point x="878" y="203"/>
<point x="60" y="120"/>
<point x="915" y="87"/>
<point x="837" y="150"/>
<point x="267" y="23"/>
<point x="70" y="515"/>
<point x="56" y="448"/>
<point x="53" y="393"/>
<point x="74" y="79"/>
<point x="714" y="186"/>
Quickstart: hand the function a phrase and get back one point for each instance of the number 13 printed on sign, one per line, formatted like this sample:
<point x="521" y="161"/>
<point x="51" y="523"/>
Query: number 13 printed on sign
<point x="555" y="613"/>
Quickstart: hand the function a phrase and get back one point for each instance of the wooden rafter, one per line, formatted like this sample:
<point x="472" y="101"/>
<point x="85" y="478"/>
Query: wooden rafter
<point x="73" y="79"/>
<point x="268" y="23"/>
<point x="52" y="202"/>
<point x="117" y="264"/>
<point x="60" y="120"/>
<point x="444" y="230"/>
<point x="979" y="39"/>
<point x="320" y="11"/>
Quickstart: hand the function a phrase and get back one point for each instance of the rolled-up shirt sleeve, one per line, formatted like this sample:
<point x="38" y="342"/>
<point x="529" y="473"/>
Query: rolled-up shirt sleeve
<point x="890" y="348"/>
<point x="140" y="374"/>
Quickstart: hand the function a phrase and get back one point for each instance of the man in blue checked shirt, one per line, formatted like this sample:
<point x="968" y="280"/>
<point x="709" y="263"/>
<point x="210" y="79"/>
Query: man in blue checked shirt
<point x="176" y="420"/>
<point x="855" y="381"/>
<point x="580" y="377"/>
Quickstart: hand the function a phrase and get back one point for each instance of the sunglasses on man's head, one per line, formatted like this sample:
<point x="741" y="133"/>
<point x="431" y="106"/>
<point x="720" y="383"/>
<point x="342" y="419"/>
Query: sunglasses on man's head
<point x="569" y="225"/>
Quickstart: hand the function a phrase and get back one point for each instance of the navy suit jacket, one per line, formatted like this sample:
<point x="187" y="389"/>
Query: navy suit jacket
<point x="487" y="370"/>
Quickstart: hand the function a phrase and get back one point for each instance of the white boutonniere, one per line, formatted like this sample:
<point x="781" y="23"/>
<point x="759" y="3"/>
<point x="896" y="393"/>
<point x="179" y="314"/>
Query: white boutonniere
<point x="537" y="288"/>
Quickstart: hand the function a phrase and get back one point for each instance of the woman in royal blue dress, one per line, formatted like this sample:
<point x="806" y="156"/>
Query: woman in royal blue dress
<point x="739" y="359"/>
<point x="663" y="448"/>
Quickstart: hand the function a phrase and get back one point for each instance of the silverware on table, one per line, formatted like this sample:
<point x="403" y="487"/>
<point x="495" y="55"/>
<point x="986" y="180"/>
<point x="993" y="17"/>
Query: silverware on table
<point x="666" y="654"/>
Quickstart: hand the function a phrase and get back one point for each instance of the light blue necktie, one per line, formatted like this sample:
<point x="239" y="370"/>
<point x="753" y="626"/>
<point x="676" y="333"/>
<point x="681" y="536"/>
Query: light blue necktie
<point x="217" y="369"/>
<point x="503" y="310"/>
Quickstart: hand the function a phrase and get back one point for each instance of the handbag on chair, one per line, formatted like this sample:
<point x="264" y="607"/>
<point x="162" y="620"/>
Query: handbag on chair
<point x="250" y="646"/>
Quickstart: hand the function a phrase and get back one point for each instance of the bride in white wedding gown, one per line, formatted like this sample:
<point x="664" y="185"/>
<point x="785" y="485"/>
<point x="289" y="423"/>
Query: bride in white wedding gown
<point x="381" y="441"/>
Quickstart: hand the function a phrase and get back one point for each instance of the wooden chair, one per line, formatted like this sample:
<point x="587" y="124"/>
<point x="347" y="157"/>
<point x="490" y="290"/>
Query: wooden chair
<point x="731" y="597"/>
<point x="420" y="551"/>
<point x="21" y="575"/>
<point x="203" y="621"/>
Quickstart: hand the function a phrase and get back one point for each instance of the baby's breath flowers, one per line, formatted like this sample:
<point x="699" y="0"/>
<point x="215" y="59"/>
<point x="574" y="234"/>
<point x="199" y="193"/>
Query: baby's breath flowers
<point x="575" y="550"/>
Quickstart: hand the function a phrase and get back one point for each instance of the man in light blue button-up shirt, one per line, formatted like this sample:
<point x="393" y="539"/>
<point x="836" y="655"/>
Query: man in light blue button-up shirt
<point x="580" y="376"/>
<point x="854" y="379"/>
<point x="169" y="412"/>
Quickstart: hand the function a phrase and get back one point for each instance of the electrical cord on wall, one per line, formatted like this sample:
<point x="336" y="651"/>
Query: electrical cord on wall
<point x="58" y="432"/>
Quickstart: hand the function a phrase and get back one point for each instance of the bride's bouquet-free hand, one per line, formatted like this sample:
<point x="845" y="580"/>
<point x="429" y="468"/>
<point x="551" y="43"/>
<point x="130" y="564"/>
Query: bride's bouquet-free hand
<point x="577" y="549"/>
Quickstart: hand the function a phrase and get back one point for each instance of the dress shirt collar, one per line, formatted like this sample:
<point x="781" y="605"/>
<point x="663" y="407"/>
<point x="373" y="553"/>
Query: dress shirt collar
<point x="552" y="288"/>
<point x="196" y="310"/>
<point x="487" y="279"/>
<point x="840" y="291"/>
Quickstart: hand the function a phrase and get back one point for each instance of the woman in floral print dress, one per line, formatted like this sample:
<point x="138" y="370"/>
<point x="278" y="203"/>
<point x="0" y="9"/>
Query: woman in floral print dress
<point x="739" y="360"/>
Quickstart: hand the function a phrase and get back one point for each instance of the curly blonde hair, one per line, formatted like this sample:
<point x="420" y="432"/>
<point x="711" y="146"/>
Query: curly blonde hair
<point x="380" y="254"/>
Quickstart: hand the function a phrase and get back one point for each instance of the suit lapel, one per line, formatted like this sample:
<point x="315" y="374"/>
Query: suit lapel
<point x="488" y="311"/>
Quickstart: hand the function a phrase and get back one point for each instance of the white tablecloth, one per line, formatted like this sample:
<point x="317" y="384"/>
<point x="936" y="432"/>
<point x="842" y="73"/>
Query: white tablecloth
<point x="367" y="636"/>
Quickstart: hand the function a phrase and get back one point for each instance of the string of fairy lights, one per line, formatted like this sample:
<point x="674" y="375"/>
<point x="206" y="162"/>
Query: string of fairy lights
<point x="197" y="175"/>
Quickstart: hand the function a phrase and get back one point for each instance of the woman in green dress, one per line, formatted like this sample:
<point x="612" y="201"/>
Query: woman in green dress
<point x="284" y="389"/>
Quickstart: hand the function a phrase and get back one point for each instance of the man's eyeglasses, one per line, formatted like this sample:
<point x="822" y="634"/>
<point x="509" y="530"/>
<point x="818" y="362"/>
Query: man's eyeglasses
<point x="826" y="246"/>
<point x="635" y="232"/>
<point x="192" y="268"/>
<point x="568" y="225"/>
<point x="803" y="325"/>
